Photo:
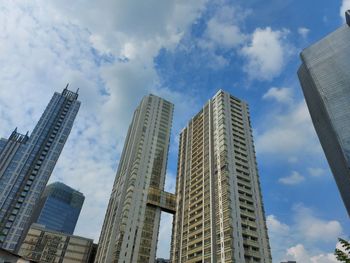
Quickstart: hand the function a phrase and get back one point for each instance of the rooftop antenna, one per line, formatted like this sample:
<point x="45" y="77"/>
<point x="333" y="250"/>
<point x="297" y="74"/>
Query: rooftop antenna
<point x="66" y="86"/>
<point x="77" y="91"/>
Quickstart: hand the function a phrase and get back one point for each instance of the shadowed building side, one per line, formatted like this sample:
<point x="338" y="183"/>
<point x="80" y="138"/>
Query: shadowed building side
<point x="325" y="80"/>
<point x="26" y="164"/>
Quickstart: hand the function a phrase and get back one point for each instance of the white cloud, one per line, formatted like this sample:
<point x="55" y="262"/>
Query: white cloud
<point x="131" y="23"/>
<point x="293" y="159"/>
<point x="288" y="133"/>
<point x="281" y="95"/>
<point x="316" y="229"/>
<point x="344" y="7"/>
<point x="164" y="238"/>
<point x="300" y="254"/>
<point x="170" y="183"/>
<point x="107" y="50"/>
<point x="276" y="226"/>
<point x="224" y="34"/>
<point x="303" y="32"/>
<point x="302" y="240"/>
<point x="266" y="54"/>
<point x="293" y="179"/>
<point x="316" y="171"/>
<point x="223" y="28"/>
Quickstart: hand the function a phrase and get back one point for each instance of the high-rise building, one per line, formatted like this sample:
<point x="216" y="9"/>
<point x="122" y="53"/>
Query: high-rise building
<point x="45" y="245"/>
<point x="26" y="163"/>
<point x="219" y="212"/>
<point x="131" y="224"/>
<point x="325" y="80"/>
<point x="59" y="208"/>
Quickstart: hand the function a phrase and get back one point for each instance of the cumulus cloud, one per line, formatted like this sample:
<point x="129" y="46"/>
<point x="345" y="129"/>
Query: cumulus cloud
<point x="344" y="7"/>
<point x="266" y="53"/>
<point x="223" y="28"/>
<point x="303" y="32"/>
<point x="288" y="133"/>
<point x="300" y="254"/>
<point x="276" y="226"/>
<point x="316" y="171"/>
<point x="302" y="239"/>
<point x="107" y="50"/>
<point x="314" y="228"/>
<point x="281" y="95"/>
<point x="224" y="34"/>
<point x="293" y="179"/>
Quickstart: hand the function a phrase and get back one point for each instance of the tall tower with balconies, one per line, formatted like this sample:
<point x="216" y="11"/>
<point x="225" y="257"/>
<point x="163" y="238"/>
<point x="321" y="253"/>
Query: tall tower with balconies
<point x="219" y="211"/>
<point x="26" y="164"/>
<point x="131" y="225"/>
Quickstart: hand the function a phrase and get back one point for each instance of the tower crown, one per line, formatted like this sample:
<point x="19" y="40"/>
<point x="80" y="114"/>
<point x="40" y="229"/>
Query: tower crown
<point x="70" y="94"/>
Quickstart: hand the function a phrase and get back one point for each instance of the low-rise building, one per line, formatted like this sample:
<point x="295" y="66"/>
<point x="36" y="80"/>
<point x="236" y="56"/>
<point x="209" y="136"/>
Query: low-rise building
<point x="9" y="257"/>
<point x="44" y="245"/>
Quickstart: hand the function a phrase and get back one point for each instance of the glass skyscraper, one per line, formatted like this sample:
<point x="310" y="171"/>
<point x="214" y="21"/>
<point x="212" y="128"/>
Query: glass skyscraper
<point x="59" y="208"/>
<point x="219" y="211"/>
<point x="131" y="225"/>
<point x="26" y="163"/>
<point x="325" y="79"/>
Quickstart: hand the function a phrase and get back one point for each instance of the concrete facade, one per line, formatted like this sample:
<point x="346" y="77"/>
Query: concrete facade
<point x="219" y="212"/>
<point x="47" y="246"/>
<point x="131" y="224"/>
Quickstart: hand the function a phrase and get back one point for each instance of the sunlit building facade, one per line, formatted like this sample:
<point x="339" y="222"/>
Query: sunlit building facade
<point x="26" y="164"/>
<point x="325" y="80"/>
<point x="131" y="224"/>
<point x="219" y="211"/>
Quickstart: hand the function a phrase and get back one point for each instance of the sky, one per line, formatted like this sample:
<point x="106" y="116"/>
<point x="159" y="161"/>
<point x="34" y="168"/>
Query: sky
<point x="117" y="51"/>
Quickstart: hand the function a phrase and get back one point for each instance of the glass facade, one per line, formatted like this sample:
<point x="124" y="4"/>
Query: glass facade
<point x="59" y="208"/>
<point x="26" y="163"/>
<point x="325" y="80"/>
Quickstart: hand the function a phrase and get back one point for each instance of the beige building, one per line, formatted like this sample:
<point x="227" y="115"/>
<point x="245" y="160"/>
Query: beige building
<point x="219" y="212"/>
<point x="131" y="225"/>
<point x="43" y="245"/>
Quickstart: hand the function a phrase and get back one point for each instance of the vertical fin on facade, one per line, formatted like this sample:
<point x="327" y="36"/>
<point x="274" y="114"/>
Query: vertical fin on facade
<point x="38" y="155"/>
<point x="15" y="136"/>
<point x="71" y="95"/>
<point x="347" y="17"/>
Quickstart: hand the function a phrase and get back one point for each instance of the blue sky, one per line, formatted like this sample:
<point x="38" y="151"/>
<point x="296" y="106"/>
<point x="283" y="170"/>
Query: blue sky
<point x="117" y="51"/>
